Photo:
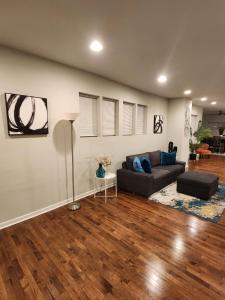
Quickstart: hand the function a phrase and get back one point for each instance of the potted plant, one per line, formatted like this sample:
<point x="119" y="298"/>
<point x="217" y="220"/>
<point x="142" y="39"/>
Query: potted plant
<point x="199" y="135"/>
<point x="202" y="133"/>
<point x="193" y="146"/>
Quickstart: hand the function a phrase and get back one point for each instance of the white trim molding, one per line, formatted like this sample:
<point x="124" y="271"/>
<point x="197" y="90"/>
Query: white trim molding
<point x="49" y="208"/>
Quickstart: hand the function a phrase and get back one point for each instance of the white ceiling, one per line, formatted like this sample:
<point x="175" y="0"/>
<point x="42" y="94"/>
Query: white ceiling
<point x="184" y="39"/>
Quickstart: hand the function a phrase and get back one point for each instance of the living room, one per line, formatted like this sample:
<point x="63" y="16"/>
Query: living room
<point x="112" y="150"/>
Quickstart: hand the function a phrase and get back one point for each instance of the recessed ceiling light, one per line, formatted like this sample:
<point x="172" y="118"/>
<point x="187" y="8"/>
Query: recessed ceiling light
<point x="213" y="103"/>
<point x="187" y="92"/>
<point x="96" y="46"/>
<point x="162" y="79"/>
<point x="204" y="99"/>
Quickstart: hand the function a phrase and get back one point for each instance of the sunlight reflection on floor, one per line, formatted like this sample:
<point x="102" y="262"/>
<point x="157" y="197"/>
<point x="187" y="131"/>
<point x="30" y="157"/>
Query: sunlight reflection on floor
<point x="155" y="273"/>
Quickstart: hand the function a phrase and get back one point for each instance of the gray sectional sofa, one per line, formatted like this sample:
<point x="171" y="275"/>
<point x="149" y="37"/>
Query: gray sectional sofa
<point x="146" y="184"/>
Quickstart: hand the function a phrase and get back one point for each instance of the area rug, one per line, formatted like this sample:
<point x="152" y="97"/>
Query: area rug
<point x="210" y="210"/>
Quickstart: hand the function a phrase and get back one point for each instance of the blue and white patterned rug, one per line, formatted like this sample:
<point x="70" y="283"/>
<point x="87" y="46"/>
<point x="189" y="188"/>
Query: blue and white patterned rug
<point x="210" y="210"/>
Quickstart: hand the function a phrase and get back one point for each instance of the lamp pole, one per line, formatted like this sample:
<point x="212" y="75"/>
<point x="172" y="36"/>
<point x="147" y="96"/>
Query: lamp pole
<point x="74" y="205"/>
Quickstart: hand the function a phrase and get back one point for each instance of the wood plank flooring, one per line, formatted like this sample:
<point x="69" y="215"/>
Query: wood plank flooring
<point x="126" y="249"/>
<point x="215" y="164"/>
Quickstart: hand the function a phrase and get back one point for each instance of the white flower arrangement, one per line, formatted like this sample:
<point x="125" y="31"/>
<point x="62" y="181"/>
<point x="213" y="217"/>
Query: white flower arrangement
<point x="105" y="160"/>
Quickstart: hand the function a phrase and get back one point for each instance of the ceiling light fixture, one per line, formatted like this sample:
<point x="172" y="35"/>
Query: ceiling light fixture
<point x="96" y="46"/>
<point x="162" y="79"/>
<point x="204" y="99"/>
<point x="213" y="103"/>
<point x="187" y="92"/>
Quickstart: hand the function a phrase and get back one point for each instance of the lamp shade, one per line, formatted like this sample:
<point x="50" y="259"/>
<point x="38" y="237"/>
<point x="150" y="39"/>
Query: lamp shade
<point x="70" y="116"/>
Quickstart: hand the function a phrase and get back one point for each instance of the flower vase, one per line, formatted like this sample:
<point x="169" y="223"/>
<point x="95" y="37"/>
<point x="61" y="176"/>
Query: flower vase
<point x="100" y="172"/>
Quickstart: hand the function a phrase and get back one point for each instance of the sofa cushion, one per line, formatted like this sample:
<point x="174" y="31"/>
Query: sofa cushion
<point x="137" y="165"/>
<point x="159" y="174"/>
<point x="130" y="159"/>
<point x="168" y="158"/>
<point x="154" y="158"/>
<point x="173" y="169"/>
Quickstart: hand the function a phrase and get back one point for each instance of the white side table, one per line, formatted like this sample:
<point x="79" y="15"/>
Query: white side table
<point x="108" y="177"/>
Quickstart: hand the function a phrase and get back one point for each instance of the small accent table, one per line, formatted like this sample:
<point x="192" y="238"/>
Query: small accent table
<point x="108" y="177"/>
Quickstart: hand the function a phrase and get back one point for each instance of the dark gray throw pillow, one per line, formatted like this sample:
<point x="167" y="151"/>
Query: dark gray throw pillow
<point x="146" y="164"/>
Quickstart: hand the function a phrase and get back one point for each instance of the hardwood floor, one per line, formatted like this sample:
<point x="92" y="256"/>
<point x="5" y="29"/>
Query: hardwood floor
<point x="215" y="164"/>
<point x="126" y="249"/>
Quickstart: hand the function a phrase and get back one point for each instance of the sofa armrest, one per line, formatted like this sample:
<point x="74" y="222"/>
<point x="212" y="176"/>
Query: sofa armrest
<point x="140" y="183"/>
<point x="179" y="162"/>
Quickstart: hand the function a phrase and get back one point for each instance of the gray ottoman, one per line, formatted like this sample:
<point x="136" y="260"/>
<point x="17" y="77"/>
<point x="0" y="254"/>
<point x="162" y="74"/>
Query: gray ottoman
<point x="197" y="184"/>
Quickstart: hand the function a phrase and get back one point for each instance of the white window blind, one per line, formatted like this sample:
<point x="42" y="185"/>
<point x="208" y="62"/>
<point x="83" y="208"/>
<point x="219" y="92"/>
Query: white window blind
<point x="141" y="115"/>
<point x="109" y="117"/>
<point x="88" y="115"/>
<point x="128" y="118"/>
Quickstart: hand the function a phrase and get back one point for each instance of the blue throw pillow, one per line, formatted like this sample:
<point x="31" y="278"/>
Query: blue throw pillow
<point x="146" y="164"/>
<point x="137" y="165"/>
<point x="168" y="158"/>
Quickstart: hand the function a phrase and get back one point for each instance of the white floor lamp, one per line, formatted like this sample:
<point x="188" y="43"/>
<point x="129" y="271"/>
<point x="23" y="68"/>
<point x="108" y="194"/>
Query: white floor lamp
<point x="71" y="117"/>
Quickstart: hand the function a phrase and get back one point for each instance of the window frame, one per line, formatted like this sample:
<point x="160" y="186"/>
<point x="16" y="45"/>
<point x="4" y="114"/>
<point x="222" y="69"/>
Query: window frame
<point x="116" y="115"/>
<point x="133" y="118"/>
<point x="145" y="107"/>
<point x="95" y="98"/>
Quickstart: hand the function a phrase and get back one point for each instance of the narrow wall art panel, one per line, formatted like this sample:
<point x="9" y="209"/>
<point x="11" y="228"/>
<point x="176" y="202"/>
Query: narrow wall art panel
<point x="187" y="121"/>
<point x="27" y="115"/>
<point x="158" y="124"/>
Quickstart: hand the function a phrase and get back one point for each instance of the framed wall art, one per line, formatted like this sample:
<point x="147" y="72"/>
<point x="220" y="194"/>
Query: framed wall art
<point x="158" y="124"/>
<point x="26" y="115"/>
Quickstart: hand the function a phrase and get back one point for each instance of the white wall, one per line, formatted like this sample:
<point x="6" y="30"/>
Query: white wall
<point x="197" y="112"/>
<point x="176" y="126"/>
<point x="35" y="171"/>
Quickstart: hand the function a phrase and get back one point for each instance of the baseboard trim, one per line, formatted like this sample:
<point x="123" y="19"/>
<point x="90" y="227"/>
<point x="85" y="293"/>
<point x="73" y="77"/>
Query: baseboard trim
<point x="48" y="208"/>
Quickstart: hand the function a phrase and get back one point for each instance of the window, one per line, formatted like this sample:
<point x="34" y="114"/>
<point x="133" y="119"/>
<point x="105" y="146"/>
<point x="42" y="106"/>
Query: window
<point x="128" y="118"/>
<point x="141" y="119"/>
<point x="88" y="115"/>
<point x="108" y="117"/>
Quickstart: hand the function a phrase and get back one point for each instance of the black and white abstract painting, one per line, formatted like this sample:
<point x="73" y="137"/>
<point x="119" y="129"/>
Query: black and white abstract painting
<point x="158" y="124"/>
<point x="27" y="115"/>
